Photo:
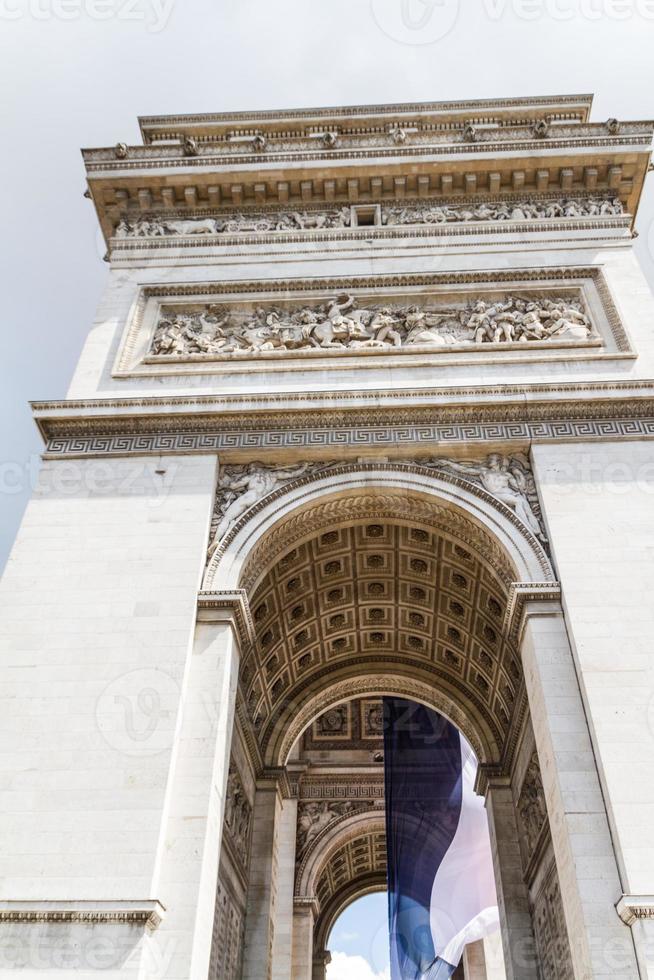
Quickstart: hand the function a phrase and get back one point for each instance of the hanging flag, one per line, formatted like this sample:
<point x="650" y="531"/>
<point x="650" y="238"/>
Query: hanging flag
<point x="441" y="889"/>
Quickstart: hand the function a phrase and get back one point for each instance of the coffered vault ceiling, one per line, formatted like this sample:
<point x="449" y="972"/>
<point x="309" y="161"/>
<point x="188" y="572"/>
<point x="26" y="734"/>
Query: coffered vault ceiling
<point x="382" y="597"/>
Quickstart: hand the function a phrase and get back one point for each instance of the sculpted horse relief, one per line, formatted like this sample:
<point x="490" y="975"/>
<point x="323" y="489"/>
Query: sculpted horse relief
<point x="342" y="324"/>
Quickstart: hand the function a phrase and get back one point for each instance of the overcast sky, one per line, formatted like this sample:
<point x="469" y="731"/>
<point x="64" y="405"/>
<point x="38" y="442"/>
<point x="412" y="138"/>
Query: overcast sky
<point x="78" y="72"/>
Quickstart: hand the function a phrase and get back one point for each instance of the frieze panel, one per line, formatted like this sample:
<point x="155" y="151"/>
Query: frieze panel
<point x="278" y="220"/>
<point x="423" y="318"/>
<point x="508" y="479"/>
<point x="346" y="323"/>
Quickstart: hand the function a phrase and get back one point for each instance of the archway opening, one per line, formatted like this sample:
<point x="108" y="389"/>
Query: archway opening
<point x="378" y="592"/>
<point x="358" y="941"/>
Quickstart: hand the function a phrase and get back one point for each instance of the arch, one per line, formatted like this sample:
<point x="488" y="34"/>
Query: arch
<point x="389" y="603"/>
<point x="367" y="685"/>
<point x="360" y="833"/>
<point x="358" y="888"/>
<point x="343" y="492"/>
<point x="337" y="835"/>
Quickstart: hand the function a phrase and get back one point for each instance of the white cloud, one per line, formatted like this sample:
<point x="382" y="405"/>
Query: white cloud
<point x="344" y="967"/>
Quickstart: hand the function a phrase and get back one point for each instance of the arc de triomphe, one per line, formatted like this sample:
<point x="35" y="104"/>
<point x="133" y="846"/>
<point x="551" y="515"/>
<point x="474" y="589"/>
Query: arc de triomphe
<point x="367" y="409"/>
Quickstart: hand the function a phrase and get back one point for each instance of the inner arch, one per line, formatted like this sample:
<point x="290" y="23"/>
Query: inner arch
<point x="382" y="606"/>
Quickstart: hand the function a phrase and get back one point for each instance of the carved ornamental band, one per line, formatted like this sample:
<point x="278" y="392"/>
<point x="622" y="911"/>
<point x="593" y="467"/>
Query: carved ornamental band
<point x="263" y="222"/>
<point x="342" y="323"/>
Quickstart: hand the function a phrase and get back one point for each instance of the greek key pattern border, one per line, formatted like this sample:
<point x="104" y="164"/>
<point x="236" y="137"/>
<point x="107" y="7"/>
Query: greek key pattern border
<point x="327" y="438"/>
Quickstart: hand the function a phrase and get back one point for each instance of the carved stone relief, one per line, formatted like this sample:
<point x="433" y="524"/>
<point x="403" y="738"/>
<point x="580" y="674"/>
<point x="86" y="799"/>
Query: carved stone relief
<point x="240" y="487"/>
<point x="254" y="222"/>
<point x="334" y="723"/>
<point x="228" y="935"/>
<point x="341" y="323"/>
<point x="532" y="811"/>
<point x="238" y="817"/>
<point x="551" y="933"/>
<point x="314" y="817"/>
<point x="507" y="478"/>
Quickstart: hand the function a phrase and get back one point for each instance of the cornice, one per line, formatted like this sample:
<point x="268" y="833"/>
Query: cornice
<point x="551" y="102"/>
<point x="270" y="426"/>
<point x="366" y="153"/>
<point x="430" y="143"/>
<point x="316" y="400"/>
<point x="148" y="913"/>
<point x="631" y="908"/>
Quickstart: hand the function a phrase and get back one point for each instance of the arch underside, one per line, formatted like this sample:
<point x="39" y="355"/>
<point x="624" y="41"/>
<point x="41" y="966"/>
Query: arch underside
<point x="374" y="582"/>
<point x="355" y="869"/>
<point x="377" y="607"/>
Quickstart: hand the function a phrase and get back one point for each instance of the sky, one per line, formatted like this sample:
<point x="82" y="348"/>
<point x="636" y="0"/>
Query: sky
<point x="78" y="72"/>
<point x="359" y="941"/>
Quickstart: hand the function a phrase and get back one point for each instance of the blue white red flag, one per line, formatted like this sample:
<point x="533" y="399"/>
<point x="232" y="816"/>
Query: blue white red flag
<point x="441" y="889"/>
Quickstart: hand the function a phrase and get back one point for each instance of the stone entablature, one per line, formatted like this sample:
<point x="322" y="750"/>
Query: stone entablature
<point x="514" y="313"/>
<point x="368" y="155"/>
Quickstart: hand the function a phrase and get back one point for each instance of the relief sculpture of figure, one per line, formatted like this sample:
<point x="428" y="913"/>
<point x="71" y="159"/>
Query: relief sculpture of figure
<point x="239" y="490"/>
<point x="507" y="478"/>
<point x="341" y="324"/>
<point x="253" y="222"/>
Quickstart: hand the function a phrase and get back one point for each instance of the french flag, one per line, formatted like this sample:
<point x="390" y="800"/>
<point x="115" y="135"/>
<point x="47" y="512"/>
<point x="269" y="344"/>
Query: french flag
<point x="441" y="889"/>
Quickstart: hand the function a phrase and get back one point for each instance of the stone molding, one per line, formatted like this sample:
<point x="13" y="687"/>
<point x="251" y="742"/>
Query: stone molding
<point x="139" y="913"/>
<point x="568" y="106"/>
<point x="228" y="606"/>
<point x="520" y="595"/>
<point x="391" y="505"/>
<point x="104" y="161"/>
<point x="379" y="438"/>
<point x="400" y="686"/>
<point x="631" y="908"/>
